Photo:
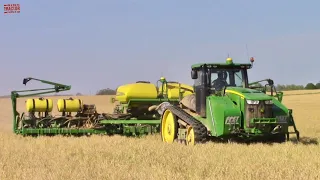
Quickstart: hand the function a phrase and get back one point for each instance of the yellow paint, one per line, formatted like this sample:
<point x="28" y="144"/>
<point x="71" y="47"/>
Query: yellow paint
<point x="69" y="105"/>
<point x="229" y="59"/>
<point x="39" y="105"/>
<point x="190" y="136"/>
<point x="235" y="92"/>
<point x="150" y="91"/>
<point x="173" y="90"/>
<point x="168" y="129"/>
<point x="136" y="91"/>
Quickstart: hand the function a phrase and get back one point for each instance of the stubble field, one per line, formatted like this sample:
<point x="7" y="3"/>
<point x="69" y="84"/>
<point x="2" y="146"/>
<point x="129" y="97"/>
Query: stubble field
<point x="102" y="157"/>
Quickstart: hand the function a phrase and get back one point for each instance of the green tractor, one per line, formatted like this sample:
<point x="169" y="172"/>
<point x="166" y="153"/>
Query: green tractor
<point x="225" y="106"/>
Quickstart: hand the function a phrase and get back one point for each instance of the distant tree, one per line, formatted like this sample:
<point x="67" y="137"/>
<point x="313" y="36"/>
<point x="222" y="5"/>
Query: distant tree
<point x="318" y="85"/>
<point x="289" y="87"/>
<point x="78" y="94"/>
<point x="107" y="91"/>
<point x="310" y="86"/>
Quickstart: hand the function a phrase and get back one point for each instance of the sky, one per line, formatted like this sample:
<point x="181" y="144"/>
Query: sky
<point x="107" y="43"/>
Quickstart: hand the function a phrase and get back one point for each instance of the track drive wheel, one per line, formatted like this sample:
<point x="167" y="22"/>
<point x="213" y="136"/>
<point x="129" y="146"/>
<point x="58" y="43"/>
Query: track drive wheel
<point x="169" y="127"/>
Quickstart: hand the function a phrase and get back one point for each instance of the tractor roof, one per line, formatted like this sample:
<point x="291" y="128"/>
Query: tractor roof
<point x="229" y="64"/>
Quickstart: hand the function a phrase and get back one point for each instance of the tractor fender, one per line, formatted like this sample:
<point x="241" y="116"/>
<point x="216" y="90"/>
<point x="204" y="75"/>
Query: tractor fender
<point x="161" y="107"/>
<point x="189" y="102"/>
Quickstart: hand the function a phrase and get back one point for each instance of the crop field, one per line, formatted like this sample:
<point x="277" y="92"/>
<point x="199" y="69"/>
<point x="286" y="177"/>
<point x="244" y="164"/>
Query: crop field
<point x="103" y="157"/>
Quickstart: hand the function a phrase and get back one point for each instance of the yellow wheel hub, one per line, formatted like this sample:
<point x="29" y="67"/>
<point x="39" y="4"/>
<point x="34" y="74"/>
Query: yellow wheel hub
<point x="168" y="128"/>
<point x="190" y="136"/>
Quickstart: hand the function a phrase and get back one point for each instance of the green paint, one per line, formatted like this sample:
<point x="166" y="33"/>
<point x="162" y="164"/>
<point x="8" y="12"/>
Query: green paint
<point x="129" y="121"/>
<point x="221" y="65"/>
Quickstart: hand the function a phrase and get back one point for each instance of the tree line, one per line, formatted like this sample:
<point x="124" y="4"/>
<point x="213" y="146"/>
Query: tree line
<point x="289" y="87"/>
<point x="106" y="91"/>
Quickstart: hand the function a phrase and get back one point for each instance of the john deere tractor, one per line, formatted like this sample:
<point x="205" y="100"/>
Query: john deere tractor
<point x="225" y="106"/>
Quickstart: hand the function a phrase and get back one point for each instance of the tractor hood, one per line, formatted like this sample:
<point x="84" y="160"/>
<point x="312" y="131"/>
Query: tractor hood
<point x="250" y="94"/>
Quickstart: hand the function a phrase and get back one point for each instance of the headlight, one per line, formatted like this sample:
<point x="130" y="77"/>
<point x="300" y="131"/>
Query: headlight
<point x="252" y="102"/>
<point x="269" y="102"/>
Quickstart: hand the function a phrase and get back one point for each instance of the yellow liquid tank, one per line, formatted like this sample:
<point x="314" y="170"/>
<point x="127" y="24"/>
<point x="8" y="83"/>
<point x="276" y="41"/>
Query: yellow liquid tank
<point x="39" y="105"/>
<point x="69" y="105"/>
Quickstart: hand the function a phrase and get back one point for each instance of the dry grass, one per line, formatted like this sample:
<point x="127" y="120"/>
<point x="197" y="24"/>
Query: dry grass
<point x="311" y="91"/>
<point x="147" y="158"/>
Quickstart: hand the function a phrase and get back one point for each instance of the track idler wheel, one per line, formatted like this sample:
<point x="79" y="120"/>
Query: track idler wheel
<point x="169" y="127"/>
<point x="196" y="134"/>
<point x="190" y="137"/>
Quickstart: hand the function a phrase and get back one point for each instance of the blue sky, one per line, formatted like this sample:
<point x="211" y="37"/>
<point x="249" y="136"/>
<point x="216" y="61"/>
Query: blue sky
<point x="106" y="43"/>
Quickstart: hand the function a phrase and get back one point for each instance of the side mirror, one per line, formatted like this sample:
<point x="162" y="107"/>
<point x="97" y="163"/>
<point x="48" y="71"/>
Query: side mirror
<point x="270" y="82"/>
<point x="194" y="74"/>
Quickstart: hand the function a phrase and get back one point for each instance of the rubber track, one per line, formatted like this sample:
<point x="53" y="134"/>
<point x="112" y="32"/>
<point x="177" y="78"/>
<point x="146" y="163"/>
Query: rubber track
<point x="200" y="131"/>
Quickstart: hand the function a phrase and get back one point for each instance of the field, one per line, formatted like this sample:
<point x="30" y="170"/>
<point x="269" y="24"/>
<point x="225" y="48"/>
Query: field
<point x="148" y="158"/>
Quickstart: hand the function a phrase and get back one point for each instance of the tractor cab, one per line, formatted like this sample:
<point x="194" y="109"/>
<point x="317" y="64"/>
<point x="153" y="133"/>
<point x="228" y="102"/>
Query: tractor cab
<point x="214" y="78"/>
<point x="217" y="76"/>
